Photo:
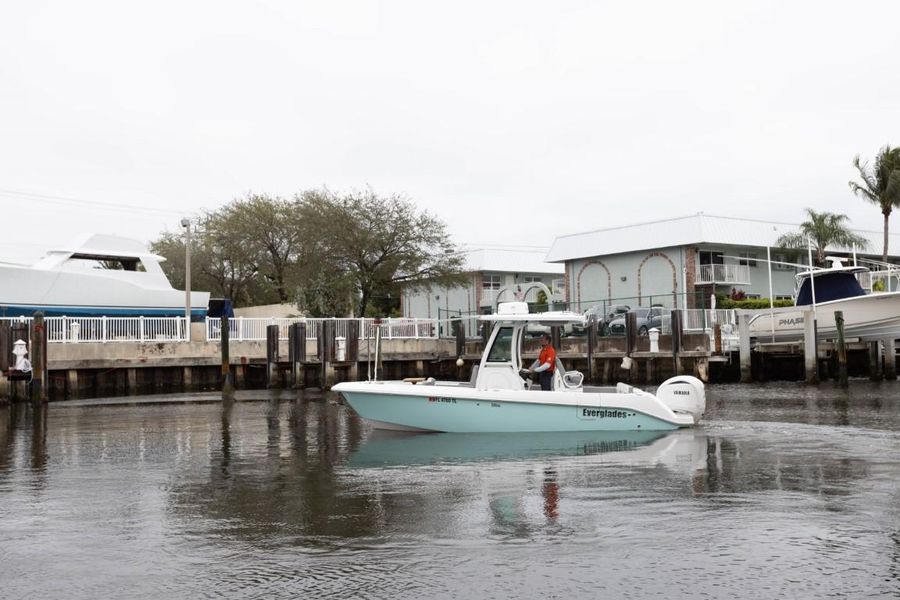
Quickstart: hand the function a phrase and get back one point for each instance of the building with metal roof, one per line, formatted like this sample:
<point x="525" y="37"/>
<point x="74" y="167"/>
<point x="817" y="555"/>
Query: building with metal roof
<point x="491" y="269"/>
<point x="682" y="261"/>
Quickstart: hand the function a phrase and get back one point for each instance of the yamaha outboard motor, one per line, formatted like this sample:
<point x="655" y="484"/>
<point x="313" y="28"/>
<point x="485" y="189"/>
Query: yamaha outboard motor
<point x="683" y="394"/>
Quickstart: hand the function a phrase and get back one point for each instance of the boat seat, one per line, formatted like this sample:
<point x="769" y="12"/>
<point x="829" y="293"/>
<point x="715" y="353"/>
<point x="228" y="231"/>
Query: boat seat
<point x="566" y="380"/>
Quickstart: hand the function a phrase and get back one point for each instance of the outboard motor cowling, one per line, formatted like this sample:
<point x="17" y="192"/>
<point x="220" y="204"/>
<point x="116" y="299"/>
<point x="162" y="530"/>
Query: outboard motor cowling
<point x="683" y="394"/>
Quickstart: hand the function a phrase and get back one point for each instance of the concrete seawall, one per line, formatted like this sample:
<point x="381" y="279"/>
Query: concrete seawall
<point x="83" y="370"/>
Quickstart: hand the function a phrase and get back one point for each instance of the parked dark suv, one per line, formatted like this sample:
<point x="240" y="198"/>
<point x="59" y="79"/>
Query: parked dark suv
<point x="647" y="318"/>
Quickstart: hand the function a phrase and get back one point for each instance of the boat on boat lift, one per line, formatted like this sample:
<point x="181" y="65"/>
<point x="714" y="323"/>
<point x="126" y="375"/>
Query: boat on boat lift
<point x="499" y="399"/>
<point x="867" y="316"/>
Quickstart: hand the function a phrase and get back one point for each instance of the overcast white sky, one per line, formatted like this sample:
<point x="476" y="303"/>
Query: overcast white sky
<point x="513" y="121"/>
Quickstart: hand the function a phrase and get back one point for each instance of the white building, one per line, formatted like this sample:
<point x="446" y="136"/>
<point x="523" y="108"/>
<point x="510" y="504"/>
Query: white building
<point x="682" y="261"/>
<point x="490" y="270"/>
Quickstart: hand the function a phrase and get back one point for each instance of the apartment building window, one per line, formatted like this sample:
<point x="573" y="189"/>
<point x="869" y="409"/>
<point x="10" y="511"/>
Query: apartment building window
<point x="532" y="279"/>
<point x="778" y="261"/>
<point x="748" y="259"/>
<point x="490" y="282"/>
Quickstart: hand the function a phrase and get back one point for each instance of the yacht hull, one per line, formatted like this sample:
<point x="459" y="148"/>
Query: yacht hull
<point x="874" y="316"/>
<point x="25" y="290"/>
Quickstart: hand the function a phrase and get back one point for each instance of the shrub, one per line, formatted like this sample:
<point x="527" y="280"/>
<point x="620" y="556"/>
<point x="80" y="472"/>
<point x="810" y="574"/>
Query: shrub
<point x="749" y="303"/>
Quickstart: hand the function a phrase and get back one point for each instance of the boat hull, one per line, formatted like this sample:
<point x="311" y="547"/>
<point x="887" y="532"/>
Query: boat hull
<point x="870" y="317"/>
<point x="25" y="290"/>
<point x="466" y="410"/>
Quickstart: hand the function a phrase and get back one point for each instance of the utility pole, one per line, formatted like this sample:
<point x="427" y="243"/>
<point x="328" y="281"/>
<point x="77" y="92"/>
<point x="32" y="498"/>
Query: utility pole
<point x="186" y="223"/>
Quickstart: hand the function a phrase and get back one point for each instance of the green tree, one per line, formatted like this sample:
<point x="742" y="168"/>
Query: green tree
<point x="228" y="262"/>
<point x="270" y="231"/>
<point x="331" y="254"/>
<point x="221" y="263"/>
<point x="825" y="229"/>
<point x="880" y="185"/>
<point x="378" y="244"/>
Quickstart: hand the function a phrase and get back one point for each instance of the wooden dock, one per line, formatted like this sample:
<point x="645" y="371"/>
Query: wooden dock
<point x="79" y="370"/>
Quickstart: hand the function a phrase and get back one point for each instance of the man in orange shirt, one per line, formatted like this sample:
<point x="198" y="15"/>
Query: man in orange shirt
<point x="545" y="365"/>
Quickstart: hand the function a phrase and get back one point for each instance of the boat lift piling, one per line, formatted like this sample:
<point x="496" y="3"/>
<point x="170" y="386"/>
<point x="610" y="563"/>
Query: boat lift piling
<point x="841" y="348"/>
<point x="810" y="348"/>
<point x="890" y="358"/>
<point x="875" y="368"/>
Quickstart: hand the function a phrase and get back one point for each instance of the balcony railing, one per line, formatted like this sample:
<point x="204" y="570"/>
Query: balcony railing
<point x="880" y="281"/>
<point x="723" y="274"/>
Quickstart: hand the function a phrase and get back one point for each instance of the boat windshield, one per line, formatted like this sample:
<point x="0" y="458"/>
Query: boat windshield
<point x="501" y="351"/>
<point x="830" y="286"/>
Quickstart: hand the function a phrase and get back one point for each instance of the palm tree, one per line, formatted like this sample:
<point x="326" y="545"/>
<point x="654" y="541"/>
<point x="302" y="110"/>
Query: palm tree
<point x="881" y="185"/>
<point x="825" y="229"/>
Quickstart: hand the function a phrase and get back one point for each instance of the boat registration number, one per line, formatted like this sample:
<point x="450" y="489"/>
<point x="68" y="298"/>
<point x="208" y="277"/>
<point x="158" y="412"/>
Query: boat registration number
<point x="444" y="400"/>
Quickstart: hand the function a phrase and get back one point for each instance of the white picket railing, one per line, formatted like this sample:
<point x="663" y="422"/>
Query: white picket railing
<point x="700" y="319"/>
<point x="703" y="319"/>
<point x="172" y="329"/>
<point x="111" y="329"/>
<point x="254" y="329"/>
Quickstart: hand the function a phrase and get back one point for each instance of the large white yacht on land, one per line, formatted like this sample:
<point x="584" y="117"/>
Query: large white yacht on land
<point x="99" y="275"/>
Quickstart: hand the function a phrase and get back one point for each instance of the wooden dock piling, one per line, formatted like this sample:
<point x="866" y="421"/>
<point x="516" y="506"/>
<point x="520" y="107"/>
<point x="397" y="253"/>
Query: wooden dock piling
<point x="591" y="343"/>
<point x="874" y="352"/>
<point x="890" y="358"/>
<point x="677" y="330"/>
<point x="630" y="333"/>
<point x="272" y="379"/>
<point x="744" y="334"/>
<point x="810" y="348"/>
<point x="297" y="352"/>
<point x="460" y="339"/>
<point x="352" y="349"/>
<point x="227" y="382"/>
<point x="841" y="348"/>
<point x="38" y="359"/>
<point x="326" y="353"/>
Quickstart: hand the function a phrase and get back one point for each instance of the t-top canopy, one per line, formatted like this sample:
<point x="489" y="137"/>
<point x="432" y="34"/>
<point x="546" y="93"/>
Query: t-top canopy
<point x="518" y="312"/>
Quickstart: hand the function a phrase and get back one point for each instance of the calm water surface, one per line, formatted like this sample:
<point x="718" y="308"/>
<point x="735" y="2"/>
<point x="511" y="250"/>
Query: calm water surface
<point x="784" y="492"/>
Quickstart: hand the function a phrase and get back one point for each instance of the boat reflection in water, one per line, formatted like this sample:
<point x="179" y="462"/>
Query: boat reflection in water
<point x="526" y="481"/>
<point x="386" y="449"/>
